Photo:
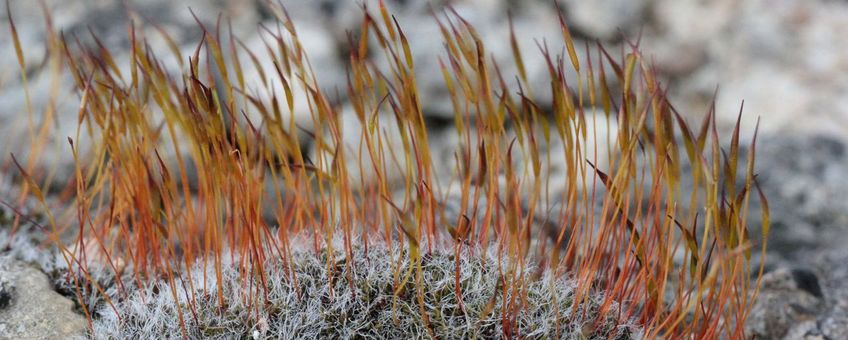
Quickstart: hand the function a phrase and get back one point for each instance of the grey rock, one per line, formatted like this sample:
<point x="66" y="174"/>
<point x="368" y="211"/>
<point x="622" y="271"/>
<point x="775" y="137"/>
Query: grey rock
<point x="358" y="162"/>
<point x="801" y="176"/>
<point x="760" y="52"/>
<point x="342" y="16"/>
<point x="807" y="281"/>
<point x="32" y="309"/>
<point x="604" y="19"/>
<point x="806" y="330"/>
<point x="835" y="325"/>
<point x="426" y="46"/>
<point x="782" y="304"/>
<point x="51" y="88"/>
<point x="7" y="290"/>
<point x="321" y="50"/>
<point x="804" y="303"/>
<point x="536" y="26"/>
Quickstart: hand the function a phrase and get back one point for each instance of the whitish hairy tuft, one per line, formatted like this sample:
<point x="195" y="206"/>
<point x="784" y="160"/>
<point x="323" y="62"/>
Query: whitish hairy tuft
<point x="343" y="301"/>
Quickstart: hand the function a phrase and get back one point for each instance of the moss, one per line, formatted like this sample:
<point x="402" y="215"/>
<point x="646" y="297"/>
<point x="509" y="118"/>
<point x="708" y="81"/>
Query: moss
<point x="363" y="308"/>
<point x="139" y="210"/>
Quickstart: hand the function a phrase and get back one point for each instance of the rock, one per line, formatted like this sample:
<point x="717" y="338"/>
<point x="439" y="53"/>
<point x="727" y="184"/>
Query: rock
<point x="342" y="16"/>
<point x="426" y="45"/>
<point x="833" y="322"/>
<point x="694" y="21"/>
<point x="355" y="149"/>
<point x="536" y="25"/>
<point x="800" y="177"/>
<point x="835" y="325"/>
<point x="760" y="52"/>
<point x="804" y="303"/>
<point x="783" y="302"/>
<point x="807" y="281"/>
<point x="51" y="89"/>
<point x="805" y="296"/>
<point x="604" y="19"/>
<point x="6" y="292"/>
<point x="552" y="170"/>
<point x="319" y="47"/>
<point x="806" y="330"/>
<point x="675" y="58"/>
<point x="32" y="309"/>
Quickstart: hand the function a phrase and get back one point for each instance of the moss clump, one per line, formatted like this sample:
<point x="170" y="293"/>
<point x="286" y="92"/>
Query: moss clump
<point x="358" y="301"/>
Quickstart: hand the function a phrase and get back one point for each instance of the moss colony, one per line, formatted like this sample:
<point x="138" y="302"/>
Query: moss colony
<point x="234" y="197"/>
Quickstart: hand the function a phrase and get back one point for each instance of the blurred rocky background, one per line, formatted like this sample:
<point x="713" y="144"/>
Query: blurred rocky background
<point x="787" y="59"/>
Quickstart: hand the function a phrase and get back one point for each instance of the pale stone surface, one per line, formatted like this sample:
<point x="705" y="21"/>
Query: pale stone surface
<point x="51" y="88"/>
<point x="358" y="160"/>
<point x="605" y="19"/>
<point x="780" y="57"/>
<point x="320" y="49"/>
<point x="34" y="310"/>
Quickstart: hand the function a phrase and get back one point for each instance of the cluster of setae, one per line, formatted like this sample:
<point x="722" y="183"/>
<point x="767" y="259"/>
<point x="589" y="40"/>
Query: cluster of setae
<point x="199" y="196"/>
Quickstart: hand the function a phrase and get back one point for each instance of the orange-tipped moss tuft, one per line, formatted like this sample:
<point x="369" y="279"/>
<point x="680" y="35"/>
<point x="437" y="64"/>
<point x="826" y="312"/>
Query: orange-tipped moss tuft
<point x="222" y="171"/>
